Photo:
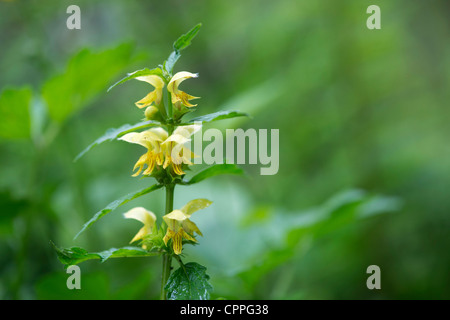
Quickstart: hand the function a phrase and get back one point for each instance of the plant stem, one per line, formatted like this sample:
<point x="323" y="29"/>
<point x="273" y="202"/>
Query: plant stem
<point x="167" y="258"/>
<point x="167" y="262"/>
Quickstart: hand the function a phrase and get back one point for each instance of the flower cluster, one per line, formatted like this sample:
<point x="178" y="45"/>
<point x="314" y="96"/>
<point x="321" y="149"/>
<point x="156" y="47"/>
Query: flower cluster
<point x="179" y="226"/>
<point x="165" y="151"/>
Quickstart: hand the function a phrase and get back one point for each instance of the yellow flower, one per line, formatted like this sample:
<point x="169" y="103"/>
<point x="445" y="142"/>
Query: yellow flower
<point x="163" y="150"/>
<point x="178" y="95"/>
<point x="148" y="218"/>
<point x="150" y="139"/>
<point x="175" y="152"/>
<point x="179" y="226"/>
<point x="154" y="96"/>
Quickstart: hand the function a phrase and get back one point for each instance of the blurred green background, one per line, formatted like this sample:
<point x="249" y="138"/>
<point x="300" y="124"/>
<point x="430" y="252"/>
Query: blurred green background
<point x="364" y="172"/>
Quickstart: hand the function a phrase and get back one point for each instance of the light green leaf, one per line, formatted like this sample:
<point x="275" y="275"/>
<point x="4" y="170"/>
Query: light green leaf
<point x="189" y="282"/>
<point x="14" y="113"/>
<point x="220" y="115"/>
<point x="117" y="203"/>
<point x="214" y="170"/>
<point x="139" y="73"/>
<point x="76" y="255"/>
<point x="114" y="133"/>
<point x="86" y="75"/>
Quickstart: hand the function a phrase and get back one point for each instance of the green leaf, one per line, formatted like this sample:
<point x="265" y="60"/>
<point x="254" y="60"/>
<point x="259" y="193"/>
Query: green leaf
<point x="14" y="113"/>
<point x="181" y="43"/>
<point x="220" y="115"/>
<point x="87" y="74"/>
<point x="189" y="282"/>
<point x="76" y="255"/>
<point x="117" y="203"/>
<point x="184" y="41"/>
<point x="214" y="170"/>
<point x="170" y="62"/>
<point x="139" y="73"/>
<point x="114" y="133"/>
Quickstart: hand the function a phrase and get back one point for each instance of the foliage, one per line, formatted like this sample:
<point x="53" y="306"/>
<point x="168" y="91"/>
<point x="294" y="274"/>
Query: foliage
<point x="355" y="108"/>
<point x="189" y="282"/>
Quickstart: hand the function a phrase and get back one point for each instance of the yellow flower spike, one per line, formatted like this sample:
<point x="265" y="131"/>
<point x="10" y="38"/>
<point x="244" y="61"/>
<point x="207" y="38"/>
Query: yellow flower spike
<point x="178" y="95"/>
<point x="148" y="218"/>
<point x="150" y="139"/>
<point x="179" y="226"/>
<point x="154" y="96"/>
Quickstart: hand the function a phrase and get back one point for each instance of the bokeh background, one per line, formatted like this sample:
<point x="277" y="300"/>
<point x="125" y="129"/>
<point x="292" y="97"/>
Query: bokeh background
<point x="363" y="116"/>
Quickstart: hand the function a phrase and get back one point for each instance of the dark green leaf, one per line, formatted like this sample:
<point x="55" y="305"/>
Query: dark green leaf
<point x="14" y="113"/>
<point x="215" y="170"/>
<point x="220" y="115"/>
<point x="181" y="43"/>
<point x="117" y="203"/>
<point x="189" y="282"/>
<point x="76" y="255"/>
<point x="170" y="62"/>
<point x="114" y="133"/>
<point x="139" y="73"/>
<point x="184" y="41"/>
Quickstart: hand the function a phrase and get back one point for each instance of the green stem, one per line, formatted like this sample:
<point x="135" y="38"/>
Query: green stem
<point x="167" y="264"/>
<point x="167" y="258"/>
<point x="170" y="112"/>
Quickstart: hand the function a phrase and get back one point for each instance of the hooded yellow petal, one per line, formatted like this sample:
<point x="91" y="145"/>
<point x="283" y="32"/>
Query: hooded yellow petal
<point x="148" y="139"/>
<point x="187" y="131"/>
<point x="176" y="215"/>
<point x="178" y="95"/>
<point x="148" y="218"/>
<point x="195" y="205"/>
<point x="178" y="78"/>
<point x="152" y="79"/>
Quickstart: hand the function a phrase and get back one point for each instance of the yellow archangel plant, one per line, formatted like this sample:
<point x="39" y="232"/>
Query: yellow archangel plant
<point x="164" y="134"/>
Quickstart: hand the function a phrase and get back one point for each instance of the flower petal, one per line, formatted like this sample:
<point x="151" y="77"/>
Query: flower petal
<point x="195" y="205"/>
<point x="152" y="79"/>
<point x="177" y="215"/>
<point x="178" y="78"/>
<point x="148" y="100"/>
<point x="190" y="227"/>
<point x="148" y="218"/>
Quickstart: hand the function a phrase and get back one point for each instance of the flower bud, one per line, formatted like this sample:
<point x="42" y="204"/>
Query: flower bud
<point x="150" y="112"/>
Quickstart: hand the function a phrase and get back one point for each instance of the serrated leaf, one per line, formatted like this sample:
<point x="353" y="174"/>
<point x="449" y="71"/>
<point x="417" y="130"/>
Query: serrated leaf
<point x="14" y="113"/>
<point x="117" y="203"/>
<point x="220" y="115"/>
<point x="215" y="170"/>
<point x="76" y="255"/>
<point x="114" y="133"/>
<point x="189" y="282"/>
<point x="184" y="41"/>
<point x="138" y="73"/>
